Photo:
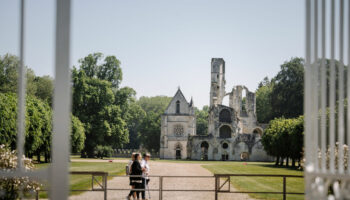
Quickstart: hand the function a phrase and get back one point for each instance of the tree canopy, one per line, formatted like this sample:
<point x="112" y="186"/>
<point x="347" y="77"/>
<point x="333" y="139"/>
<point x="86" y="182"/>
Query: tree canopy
<point x="264" y="109"/>
<point x="202" y="120"/>
<point x="154" y="107"/>
<point x="283" y="139"/>
<point x="38" y="126"/>
<point x="99" y="103"/>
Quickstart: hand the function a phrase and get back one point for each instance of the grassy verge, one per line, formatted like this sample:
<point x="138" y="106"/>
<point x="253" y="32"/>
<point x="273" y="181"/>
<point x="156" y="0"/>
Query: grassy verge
<point x="260" y="184"/>
<point x="83" y="182"/>
<point x="77" y="157"/>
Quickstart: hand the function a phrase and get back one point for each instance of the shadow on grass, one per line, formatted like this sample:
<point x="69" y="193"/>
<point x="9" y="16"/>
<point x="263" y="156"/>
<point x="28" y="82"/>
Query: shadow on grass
<point x="282" y="167"/>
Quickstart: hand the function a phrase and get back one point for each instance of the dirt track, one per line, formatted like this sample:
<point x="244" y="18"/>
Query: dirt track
<point x="168" y="169"/>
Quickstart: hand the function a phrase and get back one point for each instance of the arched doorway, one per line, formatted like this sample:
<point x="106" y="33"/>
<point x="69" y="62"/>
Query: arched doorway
<point x="258" y="131"/>
<point x="224" y="155"/>
<point x="178" y="149"/>
<point x="204" y="150"/>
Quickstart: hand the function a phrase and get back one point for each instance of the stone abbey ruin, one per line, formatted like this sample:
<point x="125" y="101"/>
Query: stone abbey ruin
<point x="233" y="130"/>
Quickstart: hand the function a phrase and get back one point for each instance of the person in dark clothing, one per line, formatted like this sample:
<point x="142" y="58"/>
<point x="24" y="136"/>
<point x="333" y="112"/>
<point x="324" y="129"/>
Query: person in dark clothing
<point x="128" y="172"/>
<point x="136" y="172"/>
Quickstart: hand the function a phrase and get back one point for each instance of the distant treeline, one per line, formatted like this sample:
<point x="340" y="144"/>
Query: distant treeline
<point x="105" y="116"/>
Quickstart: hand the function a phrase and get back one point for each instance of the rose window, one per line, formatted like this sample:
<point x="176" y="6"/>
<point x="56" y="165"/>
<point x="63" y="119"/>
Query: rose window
<point x="178" y="130"/>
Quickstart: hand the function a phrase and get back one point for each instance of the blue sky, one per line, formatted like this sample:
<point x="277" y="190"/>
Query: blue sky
<point x="165" y="44"/>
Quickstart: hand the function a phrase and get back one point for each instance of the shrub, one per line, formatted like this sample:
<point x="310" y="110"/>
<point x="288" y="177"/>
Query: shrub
<point x="12" y="186"/>
<point x="103" y="151"/>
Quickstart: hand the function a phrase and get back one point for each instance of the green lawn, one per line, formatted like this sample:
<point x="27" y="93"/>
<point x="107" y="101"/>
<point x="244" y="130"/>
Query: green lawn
<point x="77" y="157"/>
<point x="82" y="182"/>
<point x="259" y="184"/>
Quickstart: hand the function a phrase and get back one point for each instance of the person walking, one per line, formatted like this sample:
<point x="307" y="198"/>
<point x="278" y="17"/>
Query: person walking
<point x="136" y="175"/>
<point x="128" y="172"/>
<point x="145" y="173"/>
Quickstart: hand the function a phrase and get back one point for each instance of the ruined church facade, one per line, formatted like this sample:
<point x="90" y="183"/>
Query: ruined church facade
<point x="233" y="130"/>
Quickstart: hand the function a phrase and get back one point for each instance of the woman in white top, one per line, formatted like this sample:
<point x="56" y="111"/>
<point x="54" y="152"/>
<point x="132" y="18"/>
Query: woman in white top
<point x="145" y="173"/>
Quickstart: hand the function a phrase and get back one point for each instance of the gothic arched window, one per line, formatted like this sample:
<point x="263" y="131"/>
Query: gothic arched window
<point x="225" y="132"/>
<point x="177" y="107"/>
<point x="225" y="116"/>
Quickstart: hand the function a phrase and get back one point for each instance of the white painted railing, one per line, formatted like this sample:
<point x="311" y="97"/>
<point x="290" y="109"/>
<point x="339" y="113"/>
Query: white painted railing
<point x="326" y="123"/>
<point x="57" y="174"/>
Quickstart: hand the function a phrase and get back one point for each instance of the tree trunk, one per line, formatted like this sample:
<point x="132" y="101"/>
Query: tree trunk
<point x="46" y="158"/>
<point x="277" y="160"/>
<point x="293" y="162"/>
<point x="281" y="161"/>
<point x="38" y="156"/>
<point x="287" y="163"/>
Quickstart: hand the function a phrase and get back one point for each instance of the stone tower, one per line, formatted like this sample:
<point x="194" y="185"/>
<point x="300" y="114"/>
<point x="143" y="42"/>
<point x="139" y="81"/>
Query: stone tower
<point x="217" y="85"/>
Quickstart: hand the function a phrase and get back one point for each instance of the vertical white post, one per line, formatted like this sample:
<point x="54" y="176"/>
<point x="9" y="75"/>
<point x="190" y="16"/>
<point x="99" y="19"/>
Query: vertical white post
<point x="315" y="88"/>
<point x="341" y="92"/>
<point x="21" y="94"/>
<point x="59" y="177"/>
<point x="348" y="90"/>
<point x="307" y="85"/>
<point x="323" y="89"/>
<point x="332" y="93"/>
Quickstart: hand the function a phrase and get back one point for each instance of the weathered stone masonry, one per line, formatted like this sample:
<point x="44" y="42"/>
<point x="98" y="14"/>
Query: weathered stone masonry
<point x="233" y="131"/>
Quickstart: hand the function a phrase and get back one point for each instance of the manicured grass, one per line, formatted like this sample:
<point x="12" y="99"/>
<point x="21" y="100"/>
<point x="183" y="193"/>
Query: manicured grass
<point x="260" y="184"/>
<point x="83" y="182"/>
<point x="77" y="157"/>
<point x="190" y="161"/>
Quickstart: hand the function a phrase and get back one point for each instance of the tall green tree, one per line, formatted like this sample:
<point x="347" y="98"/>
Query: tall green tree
<point x="8" y="114"/>
<point x="37" y="123"/>
<point x="154" y="107"/>
<point x="264" y="109"/>
<point x="44" y="88"/>
<point x="202" y="120"/>
<point x="297" y="140"/>
<point x="95" y="103"/>
<point x="8" y="73"/>
<point x="136" y="116"/>
<point x="108" y="70"/>
<point x="77" y="135"/>
<point x="40" y="87"/>
<point x="150" y="132"/>
<point x="46" y="131"/>
<point x="288" y="89"/>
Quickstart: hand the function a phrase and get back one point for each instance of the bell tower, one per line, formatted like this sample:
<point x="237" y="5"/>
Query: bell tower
<point x="217" y="84"/>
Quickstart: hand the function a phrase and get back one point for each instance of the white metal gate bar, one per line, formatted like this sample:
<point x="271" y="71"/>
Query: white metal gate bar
<point x="57" y="174"/>
<point x="326" y="177"/>
<point x="59" y="179"/>
<point x="21" y="94"/>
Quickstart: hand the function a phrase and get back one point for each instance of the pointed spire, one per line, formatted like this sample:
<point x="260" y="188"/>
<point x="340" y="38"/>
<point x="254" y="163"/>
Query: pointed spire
<point x="191" y="102"/>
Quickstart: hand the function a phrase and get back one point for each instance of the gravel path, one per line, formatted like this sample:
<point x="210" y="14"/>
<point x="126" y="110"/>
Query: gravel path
<point x="168" y="169"/>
